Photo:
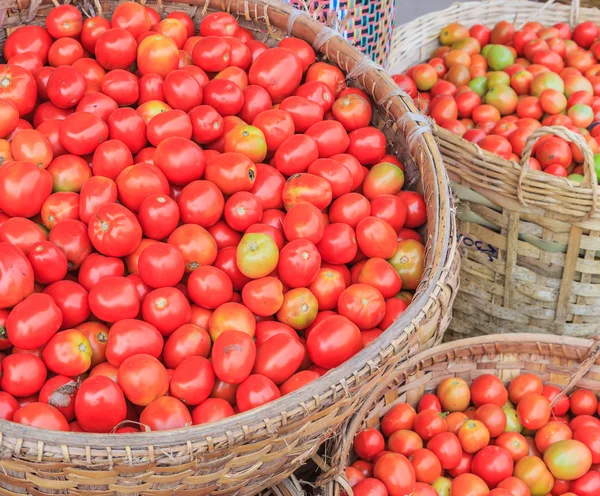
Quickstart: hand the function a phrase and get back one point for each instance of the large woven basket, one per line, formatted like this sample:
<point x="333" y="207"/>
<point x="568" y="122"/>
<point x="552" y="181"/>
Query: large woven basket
<point x="530" y="241"/>
<point x="560" y="361"/>
<point x="367" y="24"/>
<point x="259" y="448"/>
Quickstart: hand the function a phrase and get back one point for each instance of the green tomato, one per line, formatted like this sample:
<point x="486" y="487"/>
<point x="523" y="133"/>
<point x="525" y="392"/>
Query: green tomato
<point x="578" y="178"/>
<point x="499" y="57"/>
<point x="496" y="78"/>
<point x="486" y="49"/>
<point x="442" y="486"/>
<point x="479" y="85"/>
<point x="597" y="165"/>
<point x="568" y="459"/>
<point x="513" y="424"/>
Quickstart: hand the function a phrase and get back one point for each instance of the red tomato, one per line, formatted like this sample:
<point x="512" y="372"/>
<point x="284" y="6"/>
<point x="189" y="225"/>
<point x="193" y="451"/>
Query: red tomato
<point x="307" y="188"/>
<point x="23" y="374"/>
<point x="143" y="379"/>
<point x="192" y="380"/>
<point x="279" y="71"/>
<point x="583" y="402"/>
<point x="333" y="341"/>
<point x="211" y="410"/>
<point x="397" y="473"/>
<point x="295" y="154"/>
<point x="447" y="448"/>
<point x="23" y="189"/>
<point x="33" y="321"/>
<point x="167" y="309"/>
<point x="368" y="443"/>
<point x="561" y="407"/>
<point x="165" y="413"/>
<point x="130" y="337"/>
<point x="493" y="465"/>
<point x="81" y="133"/>
<point x="114" y="231"/>
<point x="256" y="391"/>
<point x="299" y="263"/>
<point x="161" y="265"/>
<point x="42" y="416"/>
<point x="487" y="388"/>
<point x="68" y="353"/>
<point x="279" y="358"/>
<point x="187" y="341"/>
<point x="129" y="127"/>
<point x="113" y="299"/>
<point x="399" y="417"/>
<point x="376" y="238"/>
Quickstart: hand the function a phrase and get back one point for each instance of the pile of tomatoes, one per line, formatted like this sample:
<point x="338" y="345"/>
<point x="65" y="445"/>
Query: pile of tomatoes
<point x="191" y="225"/>
<point x="483" y="439"/>
<point x="495" y="87"/>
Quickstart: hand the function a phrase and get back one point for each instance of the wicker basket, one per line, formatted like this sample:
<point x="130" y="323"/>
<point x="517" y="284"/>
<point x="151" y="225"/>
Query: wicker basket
<point x="530" y="241"/>
<point x="367" y="24"/>
<point x="259" y="448"/>
<point x="561" y="361"/>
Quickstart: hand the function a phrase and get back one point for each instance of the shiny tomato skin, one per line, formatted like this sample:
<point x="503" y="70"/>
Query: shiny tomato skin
<point x="24" y="189"/>
<point x="130" y="337"/>
<point x="533" y="411"/>
<point x="447" y="448"/>
<point x="268" y="186"/>
<point x="362" y="304"/>
<point x="158" y="216"/>
<point x="299" y="263"/>
<point x="231" y="172"/>
<point x="24" y="39"/>
<point x="201" y="202"/>
<point x="209" y="287"/>
<point x="49" y="262"/>
<point x="81" y="133"/>
<point x="182" y="91"/>
<point x="181" y="160"/>
<point x="168" y="124"/>
<point x="588" y="485"/>
<point x="161" y="265"/>
<point x="416" y="213"/>
<point x="298" y="380"/>
<point x="304" y="112"/>
<point x="98" y="104"/>
<point x="207" y="124"/>
<point x="100" y="404"/>
<point x="167" y="309"/>
<point x="17" y="279"/>
<point x="22" y="374"/>
<point x="19" y="87"/>
<point x="333" y="341"/>
<point x="233" y="356"/>
<point x="493" y="465"/>
<point x="33" y="322"/>
<point x="279" y="71"/>
<point x="583" y="402"/>
<point x="42" y="416"/>
<point x="231" y="316"/>
<point x="135" y="183"/>
<point x="309" y="188"/>
<point x="187" y="341"/>
<point x="114" y="231"/>
<point x="561" y="407"/>
<point x="255" y="391"/>
<point x="263" y="296"/>
<point x="192" y="381"/>
<point x="397" y="473"/>
<point x="165" y="413"/>
<point x="113" y="299"/>
<point x="68" y="353"/>
<point x="126" y="125"/>
<point x="21" y="233"/>
<point x="279" y="358"/>
<point x="225" y="96"/>
<point x="376" y="238"/>
<point x="211" y="410"/>
<point x="72" y="301"/>
<point x="143" y="379"/>
<point x="295" y="154"/>
<point x="488" y="388"/>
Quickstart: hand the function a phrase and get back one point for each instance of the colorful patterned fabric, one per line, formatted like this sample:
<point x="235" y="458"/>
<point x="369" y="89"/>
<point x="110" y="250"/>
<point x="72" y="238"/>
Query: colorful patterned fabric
<point x="368" y="24"/>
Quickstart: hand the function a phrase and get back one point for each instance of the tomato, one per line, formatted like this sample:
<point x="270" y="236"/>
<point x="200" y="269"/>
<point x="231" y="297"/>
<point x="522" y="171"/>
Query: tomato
<point x="97" y="335"/>
<point x="129" y="127"/>
<point x="304" y="112"/>
<point x="363" y="305"/>
<point x="397" y="473"/>
<point x="295" y="154"/>
<point x="255" y="391"/>
<point x="18" y="86"/>
<point x="368" y="443"/>
<point x="532" y="471"/>
<point x="202" y="203"/>
<point x="98" y="104"/>
<point x="187" y="341"/>
<point x="263" y="296"/>
<point x="487" y="388"/>
<point x="468" y="485"/>
<point x="207" y="124"/>
<point x="23" y="374"/>
<point x="8" y="406"/>
<point x="591" y="438"/>
<point x="231" y="172"/>
<point x="24" y="188"/>
<point x="446" y="446"/>
<point x="226" y="261"/>
<point x="157" y="54"/>
<point x="49" y="263"/>
<point x="299" y="308"/>
<point x="158" y="216"/>
<point x="533" y="410"/>
<point x="583" y="402"/>
<point x="298" y="380"/>
<point x="81" y="133"/>
<point x="69" y="173"/>
<point x="587" y="485"/>
<point x="28" y="39"/>
<point x="10" y="117"/>
<point x="376" y="238"/>
<point x="493" y="417"/>
<point x="182" y="91"/>
<point x="399" y="417"/>
<point x="68" y="353"/>
<point x="562" y="405"/>
<point x="454" y="394"/>
<point x="21" y="233"/>
<point x="514" y="443"/>
<point x="279" y="358"/>
<point x="42" y="416"/>
<point x="333" y="341"/>
<point x="114" y="231"/>
<point x="130" y="337"/>
<point x="192" y="380"/>
<point x="426" y="465"/>
<point x="473" y="436"/>
<point x="211" y="410"/>
<point x="493" y="465"/>
<point x="169" y="124"/>
<point x="33" y="321"/>
<point x="279" y="71"/>
<point x="299" y="263"/>
<point x="408" y="260"/>
<point x="231" y="316"/>
<point x="167" y="309"/>
<point x="114" y="298"/>
<point x="568" y="459"/>
<point x="165" y="413"/>
<point x="161" y="265"/>
<point x="143" y="379"/>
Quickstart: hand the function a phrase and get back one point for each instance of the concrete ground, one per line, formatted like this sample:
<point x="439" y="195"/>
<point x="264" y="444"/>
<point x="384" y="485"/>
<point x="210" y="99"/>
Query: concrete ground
<point x="407" y="10"/>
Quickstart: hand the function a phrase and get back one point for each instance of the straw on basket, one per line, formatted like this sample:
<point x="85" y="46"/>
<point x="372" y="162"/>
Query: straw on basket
<point x="530" y="241"/>
<point x="259" y="448"/>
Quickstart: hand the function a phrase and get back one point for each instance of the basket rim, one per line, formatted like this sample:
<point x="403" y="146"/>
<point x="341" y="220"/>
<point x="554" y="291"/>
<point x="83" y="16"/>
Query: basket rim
<point x="337" y="381"/>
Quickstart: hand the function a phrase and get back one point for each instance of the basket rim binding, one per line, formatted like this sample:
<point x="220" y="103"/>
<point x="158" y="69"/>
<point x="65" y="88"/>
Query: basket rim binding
<point x="234" y="430"/>
<point x="530" y="182"/>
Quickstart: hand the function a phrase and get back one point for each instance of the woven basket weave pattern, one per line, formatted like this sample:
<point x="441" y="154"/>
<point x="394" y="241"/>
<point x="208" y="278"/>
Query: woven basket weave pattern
<point x="556" y="360"/>
<point x="257" y="449"/>
<point x="531" y="241"/>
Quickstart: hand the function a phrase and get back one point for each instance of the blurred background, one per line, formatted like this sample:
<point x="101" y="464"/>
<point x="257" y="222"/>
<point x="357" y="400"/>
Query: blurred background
<point x="407" y="10"/>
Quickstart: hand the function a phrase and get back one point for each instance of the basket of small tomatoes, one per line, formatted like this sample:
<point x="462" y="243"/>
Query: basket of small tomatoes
<point x="513" y="93"/>
<point x="478" y="417"/>
<point x="219" y="227"/>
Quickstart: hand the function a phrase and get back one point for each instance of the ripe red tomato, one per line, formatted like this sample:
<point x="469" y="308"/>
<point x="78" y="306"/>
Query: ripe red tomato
<point x="487" y="388"/>
<point x="165" y="413"/>
<point x="279" y="71"/>
<point x="397" y="473"/>
<point x="188" y="340"/>
<point x="23" y="188"/>
<point x="333" y="341"/>
<point x="299" y="263"/>
<point x="493" y="465"/>
<point x="368" y="443"/>
<point x="166" y="309"/>
<point x="211" y="410"/>
<point x="279" y="357"/>
<point x="23" y="374"/>
<point x="42" y="416"/>
<point x="33" y="321"/>
<point x="114" y="298"/>
<point x="68" y="353"/>
<point x="533" y="410"/>
<point x="429" y="423"/>
<point x="100" y="404"/>
<point x="143" y="379"/>
<point x="255" y="391"/>
<point x="114" y="231"/>
<point x="131" y="337"/>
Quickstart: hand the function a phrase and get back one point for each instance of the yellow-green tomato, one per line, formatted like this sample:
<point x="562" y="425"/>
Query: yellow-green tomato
<point x="512" y="421"/>
<point x="409" y="262"/>
<point x="442" y="486"/>
<point x="257" y="255"/>
<point x="532" y="471"/>
<point x="568" y="459"/>
<point x="299" y="308"/>
<point x="383" y="179"/>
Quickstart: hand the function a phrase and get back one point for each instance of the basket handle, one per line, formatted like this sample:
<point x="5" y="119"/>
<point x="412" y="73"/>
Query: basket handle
<point x="573" y="14"/>
<point x="590" y="180"/>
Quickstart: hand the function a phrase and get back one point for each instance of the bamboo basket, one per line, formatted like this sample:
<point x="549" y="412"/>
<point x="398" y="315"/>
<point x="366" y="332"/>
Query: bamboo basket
<point x="565" y="362"/>
<point x="530" y="241"/>
<point x="248" y="452"/>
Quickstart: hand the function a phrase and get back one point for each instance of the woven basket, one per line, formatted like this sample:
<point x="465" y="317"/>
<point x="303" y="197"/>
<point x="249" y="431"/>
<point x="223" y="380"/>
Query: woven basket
<point x="367" y="24"/>
<point x="530" y="241"/>
<point x="561" y="361"/>
<point x="248" y="452"/>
